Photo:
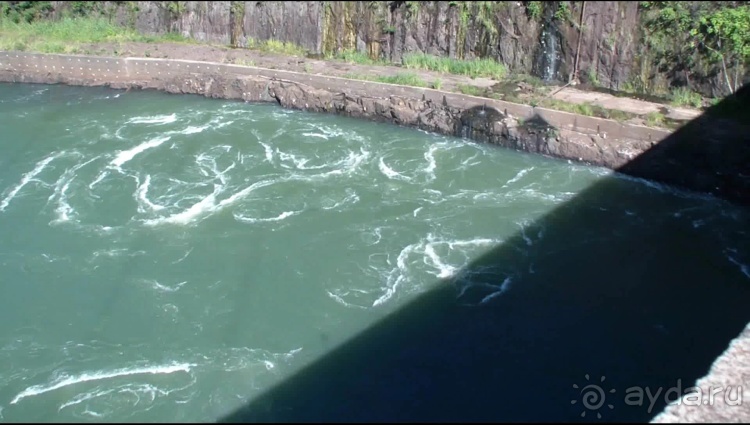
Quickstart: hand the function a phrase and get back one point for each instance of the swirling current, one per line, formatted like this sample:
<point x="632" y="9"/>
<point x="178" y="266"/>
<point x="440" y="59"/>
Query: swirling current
<point x="166" y="258"/>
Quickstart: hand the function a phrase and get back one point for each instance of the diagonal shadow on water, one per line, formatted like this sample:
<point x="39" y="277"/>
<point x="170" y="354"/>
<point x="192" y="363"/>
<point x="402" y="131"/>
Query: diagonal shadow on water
<point x="648" y="310"/>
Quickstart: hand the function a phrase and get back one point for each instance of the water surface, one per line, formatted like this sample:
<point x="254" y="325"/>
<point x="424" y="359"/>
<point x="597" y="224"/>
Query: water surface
<point x="167" y="258"/>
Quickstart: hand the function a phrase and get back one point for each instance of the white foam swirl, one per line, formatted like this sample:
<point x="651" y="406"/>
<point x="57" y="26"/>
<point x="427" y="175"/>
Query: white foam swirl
<point x="390" y="172"/>
<point x="100" y="375"/>
<point x="125" y="156"/>
<point x="280" y="217"/>
<point x="518" y="176"/>
<point x="440" y="267"/>
<point x="155" y="119"/>
<point x="26" y="178"/>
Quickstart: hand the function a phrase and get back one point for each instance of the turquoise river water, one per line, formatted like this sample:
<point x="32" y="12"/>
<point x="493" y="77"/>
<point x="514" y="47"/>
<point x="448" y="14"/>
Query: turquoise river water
<point x="168" y="258"/>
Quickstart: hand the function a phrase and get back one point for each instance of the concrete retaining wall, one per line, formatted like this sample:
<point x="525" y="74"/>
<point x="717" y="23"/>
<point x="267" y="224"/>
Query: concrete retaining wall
<point x="557" y="134"/>
<point x="104" y="69"/>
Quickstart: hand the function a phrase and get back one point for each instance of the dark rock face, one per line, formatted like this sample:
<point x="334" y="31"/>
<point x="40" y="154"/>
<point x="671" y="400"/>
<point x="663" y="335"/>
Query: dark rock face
<point x="609" y="42"/>
<point x="611" y="53"/>
<point x="298" y="22"/>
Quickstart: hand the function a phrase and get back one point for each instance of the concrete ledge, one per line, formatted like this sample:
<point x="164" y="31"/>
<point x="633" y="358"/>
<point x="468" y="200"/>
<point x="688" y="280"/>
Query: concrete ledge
<point x="724" y="393"/>
<point x="63" y="68"/>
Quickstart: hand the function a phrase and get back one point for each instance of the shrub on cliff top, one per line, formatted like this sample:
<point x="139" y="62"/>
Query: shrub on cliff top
<point x="24" y="11"/>
<point x="693" y="35"/>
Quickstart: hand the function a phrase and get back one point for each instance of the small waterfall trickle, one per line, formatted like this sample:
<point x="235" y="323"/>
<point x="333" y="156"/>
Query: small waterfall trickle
<point x="548" y="55"/>
<point x="476" y="123"/>
<point x="466" y="131"/>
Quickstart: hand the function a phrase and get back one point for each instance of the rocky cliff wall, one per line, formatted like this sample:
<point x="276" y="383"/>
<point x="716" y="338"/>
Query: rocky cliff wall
<point x="603" y="40"/>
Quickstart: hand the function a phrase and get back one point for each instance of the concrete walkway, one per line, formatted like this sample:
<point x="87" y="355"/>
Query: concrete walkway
<point x="634" y="106"/>
<point x="339" y="68"/>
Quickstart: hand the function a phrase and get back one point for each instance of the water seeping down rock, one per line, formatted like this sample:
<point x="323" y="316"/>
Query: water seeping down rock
<point x="547" y="57"/>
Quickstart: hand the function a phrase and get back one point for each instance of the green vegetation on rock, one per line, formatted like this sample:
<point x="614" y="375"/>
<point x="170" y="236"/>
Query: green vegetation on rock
<point x="482" y="16"/>
<point x="563" y="12"/>
<point x="534" y="9"/>
<point x="696" y="36"/>
<point x="25" y="11"/>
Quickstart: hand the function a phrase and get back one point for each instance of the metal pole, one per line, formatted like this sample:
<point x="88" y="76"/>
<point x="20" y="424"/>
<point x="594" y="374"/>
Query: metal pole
<point x="580" y="36"/>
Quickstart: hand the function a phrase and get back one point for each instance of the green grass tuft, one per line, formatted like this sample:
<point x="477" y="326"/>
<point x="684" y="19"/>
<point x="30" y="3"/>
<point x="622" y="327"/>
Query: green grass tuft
<point x="277" y="47"/>
<point x="243" y="62"/>
<point x="473" y="68"/>
<point x="402" y="78"/>
<point x="68" y="34"/>
<point x="683" y="96"/>
<point x="353" y="56"/>
<point x="469" y="89"/>
<point x="655" y="119"/>
<point x="171" y="37"/>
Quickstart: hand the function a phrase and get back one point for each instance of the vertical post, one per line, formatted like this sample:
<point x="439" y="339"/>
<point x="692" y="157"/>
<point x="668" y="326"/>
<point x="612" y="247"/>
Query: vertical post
<point x="232" y="38"/>
<point x="580" y="36"/>
<point x="236" y="20"/>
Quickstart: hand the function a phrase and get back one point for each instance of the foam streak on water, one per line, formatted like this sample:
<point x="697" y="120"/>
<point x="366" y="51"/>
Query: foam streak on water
<point x="156" y="119"/>
<point x="26" y="179"/>
<point x="129" y="154"/>
<point x="99" y="375"/>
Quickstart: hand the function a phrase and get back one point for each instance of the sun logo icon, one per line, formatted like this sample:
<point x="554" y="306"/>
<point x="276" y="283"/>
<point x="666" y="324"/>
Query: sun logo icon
<point x="593" y="397"/>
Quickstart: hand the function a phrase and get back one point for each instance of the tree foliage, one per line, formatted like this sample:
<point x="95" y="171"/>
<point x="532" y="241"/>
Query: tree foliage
<point x="715" y="32"/>
<point x="725" y="30"/>
<point x="24" y="11"/>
